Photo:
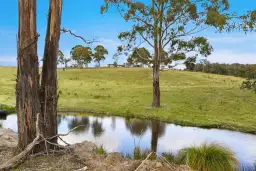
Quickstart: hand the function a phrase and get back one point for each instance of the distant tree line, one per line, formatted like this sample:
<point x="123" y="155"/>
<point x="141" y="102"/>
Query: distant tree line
<point x="82" y="56"/>
<point x="238" y="70"/>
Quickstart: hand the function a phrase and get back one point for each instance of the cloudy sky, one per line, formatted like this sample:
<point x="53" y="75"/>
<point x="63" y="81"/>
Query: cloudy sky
<point x="83" y="17"/>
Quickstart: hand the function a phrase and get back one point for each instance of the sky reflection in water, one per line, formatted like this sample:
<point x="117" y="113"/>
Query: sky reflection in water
<point x="120" y="134"/>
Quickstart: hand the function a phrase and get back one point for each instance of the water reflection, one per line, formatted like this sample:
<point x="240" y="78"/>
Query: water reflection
<point x="82" y="124"/>
<point x="137" y="127"/>
<point x="113" y="123"/>
<point x="119" y="134"/>
<point x="97" y="128"/>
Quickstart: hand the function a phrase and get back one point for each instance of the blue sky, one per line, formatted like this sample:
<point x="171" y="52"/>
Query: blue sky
<point x="83" y="17"/>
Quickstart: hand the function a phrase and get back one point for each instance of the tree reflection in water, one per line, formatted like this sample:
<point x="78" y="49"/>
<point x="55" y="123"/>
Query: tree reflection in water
<point x="97" y="128"/>
<point x="83" y="122"/>
<point x="137" y="127"/>
<point x="113" y="123"/>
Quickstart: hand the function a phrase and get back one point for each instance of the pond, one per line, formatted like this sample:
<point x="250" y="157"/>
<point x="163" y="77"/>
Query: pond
<point x="122" y="134"/>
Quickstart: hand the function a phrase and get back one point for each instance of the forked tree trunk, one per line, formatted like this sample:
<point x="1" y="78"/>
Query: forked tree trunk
<point x="48" y="92"/>
<point x="27" y="86"/>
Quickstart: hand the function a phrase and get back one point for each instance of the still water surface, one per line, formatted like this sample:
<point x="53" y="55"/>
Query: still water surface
<point x="122" y="134"/>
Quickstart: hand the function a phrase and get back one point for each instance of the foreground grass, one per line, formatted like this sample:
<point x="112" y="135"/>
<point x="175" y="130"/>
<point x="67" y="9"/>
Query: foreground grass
<point x="188" y="98"/>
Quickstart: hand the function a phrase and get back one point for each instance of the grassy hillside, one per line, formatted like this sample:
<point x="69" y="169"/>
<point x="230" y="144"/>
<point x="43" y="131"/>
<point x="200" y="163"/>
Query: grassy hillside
<point x="188" y="98"/>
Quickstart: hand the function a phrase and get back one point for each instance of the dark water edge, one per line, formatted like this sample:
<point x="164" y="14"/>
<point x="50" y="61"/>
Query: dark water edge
<point x="123" y="134"/>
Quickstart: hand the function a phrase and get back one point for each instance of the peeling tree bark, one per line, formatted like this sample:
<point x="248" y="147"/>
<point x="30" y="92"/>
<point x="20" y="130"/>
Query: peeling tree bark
<point x="48" y="91"/>
<point x="27" y="86"/>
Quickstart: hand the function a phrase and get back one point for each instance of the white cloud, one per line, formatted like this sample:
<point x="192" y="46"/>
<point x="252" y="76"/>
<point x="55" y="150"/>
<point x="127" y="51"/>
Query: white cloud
<point x="228" y="56"/>
<point x="8" y="59"/>
<point x="232" y="38"/>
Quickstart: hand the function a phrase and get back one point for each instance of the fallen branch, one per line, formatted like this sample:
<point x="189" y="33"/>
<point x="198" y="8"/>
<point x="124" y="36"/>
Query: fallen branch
<point x="15" y="161"/>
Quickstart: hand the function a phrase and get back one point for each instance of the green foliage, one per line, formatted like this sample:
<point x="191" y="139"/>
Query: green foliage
<point x="9" y="109"/>
<point x="171" y="22"/>
<point x="190" y="63"/>
<point x="115" y="58"/>
<point x="100" y="150"/>
<point x="99" y="54"/>
<point x="249" y="84"/>
<point x="208" y="157"/>
<point x="62" y="60"/>
<point x="169" y="157"/>
<point x="82" y="55"/>
<point x="238" y="70"/>
<point x="139" y="56"/>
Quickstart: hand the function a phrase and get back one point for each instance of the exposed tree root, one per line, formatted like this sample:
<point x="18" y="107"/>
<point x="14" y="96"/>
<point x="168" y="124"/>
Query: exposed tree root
<point x="20" y="158"/>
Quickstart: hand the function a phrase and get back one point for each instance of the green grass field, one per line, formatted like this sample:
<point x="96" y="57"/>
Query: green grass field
<point x="188" y="98"/>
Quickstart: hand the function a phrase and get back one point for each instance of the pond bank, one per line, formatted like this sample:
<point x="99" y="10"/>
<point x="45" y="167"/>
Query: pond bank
<point x="81" y="157"/>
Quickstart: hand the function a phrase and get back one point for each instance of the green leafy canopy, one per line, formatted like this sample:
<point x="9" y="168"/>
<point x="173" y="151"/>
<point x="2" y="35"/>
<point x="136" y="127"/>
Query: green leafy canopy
<point x="170" y="24"/>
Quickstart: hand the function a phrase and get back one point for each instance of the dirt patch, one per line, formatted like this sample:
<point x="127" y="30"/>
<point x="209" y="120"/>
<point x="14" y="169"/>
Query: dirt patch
<point x="80" y="157"/>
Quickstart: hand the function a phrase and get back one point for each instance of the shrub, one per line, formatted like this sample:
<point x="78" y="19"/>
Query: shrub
<point x="208" y="157"/>
<point x="9" y="109"/>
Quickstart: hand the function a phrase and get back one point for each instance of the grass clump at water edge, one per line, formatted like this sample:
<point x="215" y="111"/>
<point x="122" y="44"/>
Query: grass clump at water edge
<point x="208" y="157"/>
<point x="101" y="150"/>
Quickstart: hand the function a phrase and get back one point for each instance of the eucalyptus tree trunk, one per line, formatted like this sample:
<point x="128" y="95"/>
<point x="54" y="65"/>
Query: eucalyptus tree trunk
<point x="27" y="86"/>
<point x="157" y="50"/>
<point x="156" y="87"/>
<point x="48" y="92"/>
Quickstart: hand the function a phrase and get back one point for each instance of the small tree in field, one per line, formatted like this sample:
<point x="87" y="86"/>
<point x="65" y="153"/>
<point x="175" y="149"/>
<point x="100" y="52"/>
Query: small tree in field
<point x="115" y="58"/>
<point x="139" y="56"/>
<point x="168" y="25"/>
<point x="99" y="54"/>
<point x="62" y="60"/>
<point x="190" y="63"/>
<point x="81" y="55"/>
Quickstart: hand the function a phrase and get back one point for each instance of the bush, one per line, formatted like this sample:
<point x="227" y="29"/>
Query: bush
<point x="208" y="157"/>
<point x="9" y="109"/>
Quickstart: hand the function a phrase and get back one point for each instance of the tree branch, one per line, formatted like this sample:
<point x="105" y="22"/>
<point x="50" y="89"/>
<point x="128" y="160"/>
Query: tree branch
<point x="63" y="30"/>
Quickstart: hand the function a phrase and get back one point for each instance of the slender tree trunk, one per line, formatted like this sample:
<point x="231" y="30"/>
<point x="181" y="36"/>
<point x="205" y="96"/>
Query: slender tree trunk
<point x="49" y="97"/>
<point x="156" y="62"/>
<point x="27" y="87"/>
<point x="156" y="87"/>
